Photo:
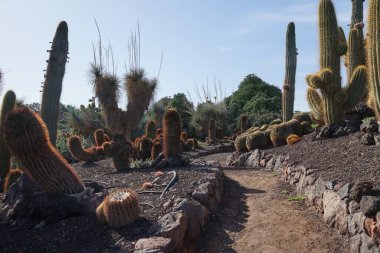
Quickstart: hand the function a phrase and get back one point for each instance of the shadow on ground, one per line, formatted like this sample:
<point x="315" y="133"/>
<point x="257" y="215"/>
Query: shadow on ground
<point x="231" y="217"/>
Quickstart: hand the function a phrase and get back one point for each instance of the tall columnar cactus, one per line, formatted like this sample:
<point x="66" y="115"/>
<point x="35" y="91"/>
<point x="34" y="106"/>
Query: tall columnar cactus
<point x="211" y="132"/>
<point x="290" y="73"/>
<point x="373" y="55"/>
<point x="172" y="133"/>
<point x="53" y="80"/>
<point x="28" y="140"/>
<point x="9" y="102"/>
<point x="150" y="129"/>
<point x="333" y="99"/>
<point x="243" y="123"/>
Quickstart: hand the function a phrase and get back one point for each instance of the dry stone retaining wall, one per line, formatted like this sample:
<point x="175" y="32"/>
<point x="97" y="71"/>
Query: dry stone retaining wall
<point x="343" y="206"/>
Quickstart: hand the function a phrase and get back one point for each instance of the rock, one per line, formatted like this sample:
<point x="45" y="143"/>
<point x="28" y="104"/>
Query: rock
<point x="355" y="243"/>
<point x="270" y="164"/>
<point x="335" y="211"/>
<point x="196" y="214"/>
<point x="368" y="139"/>
<point x="377" y="139"/>
<point x="153" y="245"/>
<point x="355" y="223"/>
<point x="344" y="191"/>
<point x="359" y="189"/>
<point x="368" y="246"/>
<point x="168" y="204"/>
<point x="315" y="192"/>
<point x="231" y="159"/>
<point x="279" y="163"/>
<point x="353" y="207"/>
<point x="370" y="205"/>
<point x="253" y="160"/>
<point x="370" y="127"/>
<point x="172" y="225"/>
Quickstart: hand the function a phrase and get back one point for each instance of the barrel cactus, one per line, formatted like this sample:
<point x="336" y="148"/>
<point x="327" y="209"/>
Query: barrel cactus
<point x="256" y="140"/>
<point x="303" y="116"/>
<point x="279" y="134"/>
<point x="150" y="129"/>
<point x="240" y="143"/>
<point x="296" y="127"/>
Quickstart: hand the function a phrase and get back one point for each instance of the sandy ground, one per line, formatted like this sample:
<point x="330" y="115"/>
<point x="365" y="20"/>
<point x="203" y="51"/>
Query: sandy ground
<point x="256" y="216"/>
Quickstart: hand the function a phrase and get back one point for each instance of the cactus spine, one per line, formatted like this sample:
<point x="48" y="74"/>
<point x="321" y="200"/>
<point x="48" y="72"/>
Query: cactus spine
<point x="9" y="102"/>
<point x="373" y="52"/>
<point x="290" y="74"/>
<point x="28" y="140"/>
<point x="172" y="133"/>
<point x="333" y="98"/>
<point x="53" y="80"/>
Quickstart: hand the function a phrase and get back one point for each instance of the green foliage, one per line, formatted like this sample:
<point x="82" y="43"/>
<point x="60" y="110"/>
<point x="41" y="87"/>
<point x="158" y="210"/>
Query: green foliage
<point x="61" y="144"/>
<point x="296" y="198"/>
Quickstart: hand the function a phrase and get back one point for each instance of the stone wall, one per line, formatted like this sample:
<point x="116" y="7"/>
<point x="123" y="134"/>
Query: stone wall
<point x="344" y="207"/>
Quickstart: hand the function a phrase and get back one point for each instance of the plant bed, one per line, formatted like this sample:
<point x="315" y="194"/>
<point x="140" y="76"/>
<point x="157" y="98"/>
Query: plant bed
<point x="199" y="185"/>
<point x="339" y="176"/>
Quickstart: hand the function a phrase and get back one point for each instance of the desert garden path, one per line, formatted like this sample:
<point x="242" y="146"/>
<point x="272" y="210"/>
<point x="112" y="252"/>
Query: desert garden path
<point x="256" y="216"/>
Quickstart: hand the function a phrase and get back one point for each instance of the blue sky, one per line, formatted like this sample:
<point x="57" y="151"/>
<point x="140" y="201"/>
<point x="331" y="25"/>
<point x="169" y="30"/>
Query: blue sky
<point x="200" y="40"/>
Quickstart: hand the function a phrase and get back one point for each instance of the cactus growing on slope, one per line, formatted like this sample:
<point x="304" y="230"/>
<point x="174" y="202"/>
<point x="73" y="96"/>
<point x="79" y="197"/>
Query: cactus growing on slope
<point x="9" y="102"/>
<point x="279" y="134"/>
<point x="373" y="53"/>
<point x="53" y="80"/>
<point x="290" y="73"/>
<point x="28" y="140"/>
<point x="172" y="133"/>
<point x="256" y="140"/>
<point x="333" y="99"/>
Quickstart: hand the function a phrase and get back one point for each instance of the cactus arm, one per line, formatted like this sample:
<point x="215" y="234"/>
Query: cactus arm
<point x="315" y="103"/>
<point x="53" y="81"/>
<point x="342" y="46"/>
<point x="356" y="89"/>
<point x="352" y="58"/>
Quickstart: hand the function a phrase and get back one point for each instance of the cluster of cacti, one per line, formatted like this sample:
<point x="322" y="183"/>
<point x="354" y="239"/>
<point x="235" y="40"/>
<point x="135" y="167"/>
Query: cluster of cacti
<point x="53" y="80"/>
<point x="279" y="133"/>
<point x="172" y="133"/>
<point x="28" y="140"/>
<point x="328" y="106"/>
<point x="373" y="53"/>
<point x="119" y="209"/>
<point x="290" y="73"/>
<point x="240" y="143"/>
<point x="12" y="176"/>
<point x="8" y="104"/>
<point x="296" y="127"/>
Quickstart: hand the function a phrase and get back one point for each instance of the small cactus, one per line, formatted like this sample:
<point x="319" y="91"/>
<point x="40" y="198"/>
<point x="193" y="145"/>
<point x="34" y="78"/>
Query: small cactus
<point x="279" y="134"/>
<point x="211" y="132"/>
<point x="99" y="137"/>
<point x="303" y="116"/>
<point x="119" y="209"/>
<point x="306" y="127"/>
<point x="145" y="148"/>
<point x="243" y="123"/>
<point x="240" y="143"/>
<point x="296" y="127"/>
<point x="92" y="154"/>
<point x="28" y="140"/>
<point x="9" y="102"/>
<point x="256" y="140"/>
<point x="292" y="139"/>
<point x="12" y="176"/>
<point x="150" y="129"/>
<point x="156" y="150"/>
<point x="172" y="133"/>
<point x="53" y="80"/>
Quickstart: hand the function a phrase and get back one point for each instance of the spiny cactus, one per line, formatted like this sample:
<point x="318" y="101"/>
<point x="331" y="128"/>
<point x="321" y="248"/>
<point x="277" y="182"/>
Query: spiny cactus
<point x="296" y="127"/>
<point x="156" y="150"/>
<point x="150" y="129"/>
<point x="119" y="209"/>
<point x="292" y="139"/>
<point x="290" y="73"/>
<point x="275" y="122"/>
<point x="264" y="127"/>
<point x="240" y="143"/>
<point x="306" y="127"/>
<point x="373" y="54"/>
<point x="184" y="136"/>
<point x="92" y="154"/>
<point x="357" y="24"/>
<point x="256" y="140"/>
<point x="252" y="130"/>
<point x="99" y="137"/>
<point x="145" y="148"/>
<point x="303" y="116"/>
<point x="279" y="134"/>
<point x="333" y="99"/>
<point x="211" y="132"/>
<point x="243" y="123"/>
<point x="53" y="80"/>
<point x="12" y="176"/>
<point x="267" y="136"/>
<point x="172" y="133"/>
<point x="8" y="104"/>
<point x="28" y="140"/>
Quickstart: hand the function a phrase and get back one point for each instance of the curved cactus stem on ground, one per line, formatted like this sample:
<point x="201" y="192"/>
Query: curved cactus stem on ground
<point x="53" y="80"/>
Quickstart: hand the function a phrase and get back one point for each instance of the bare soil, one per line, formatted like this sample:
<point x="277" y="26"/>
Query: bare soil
<point x="256" y="216"/>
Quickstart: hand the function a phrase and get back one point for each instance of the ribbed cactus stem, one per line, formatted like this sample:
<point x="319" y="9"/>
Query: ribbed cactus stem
<point x="357" y="13"/>
<point x="172" y="133"/>
<point x="352" y="59"/>
<point x="290" y="73"/>
<point x="373" y="54"/>
<point x="150" y="129"/>
<point x="9" y="101"/>
<point x="243" y="123"/>
<point x="211" y="131"/>
<point x="53" y="81"/>
<point x="28" y="140"/>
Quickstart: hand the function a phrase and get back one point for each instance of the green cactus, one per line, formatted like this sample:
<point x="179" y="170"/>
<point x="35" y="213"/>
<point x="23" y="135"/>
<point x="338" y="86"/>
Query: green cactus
<point x="256" y="140"/>
<point x="357" y="24"/>
<point x="9" y="102"/>
<point x="240" y="143"/>
<point x="275" y="122"/>
<point x="303" y="116"/>
<point x="296" y="127"/>
<point x="150" y="129"/>
<point x="145" y="147"/>
<point x="279" y="134"/>
<point x="267" y="136"/>
<point x="306" y="127"/>
<point x="53" y="80"/>
<point x="172" y="133"/>
<point x="290" y="73"/>
<point x="28" y="140"/>
<point x="333" y="98"/>
<point x="373" y="53"/>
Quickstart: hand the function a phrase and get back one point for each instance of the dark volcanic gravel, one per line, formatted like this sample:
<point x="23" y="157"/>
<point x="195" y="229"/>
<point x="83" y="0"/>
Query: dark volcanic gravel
<point x="85" y="233"/>
<point x="342" y="159"/>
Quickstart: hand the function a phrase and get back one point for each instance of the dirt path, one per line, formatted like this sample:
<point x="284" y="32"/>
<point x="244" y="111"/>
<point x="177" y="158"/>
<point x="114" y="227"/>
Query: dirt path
<point x="256" y="216"/>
